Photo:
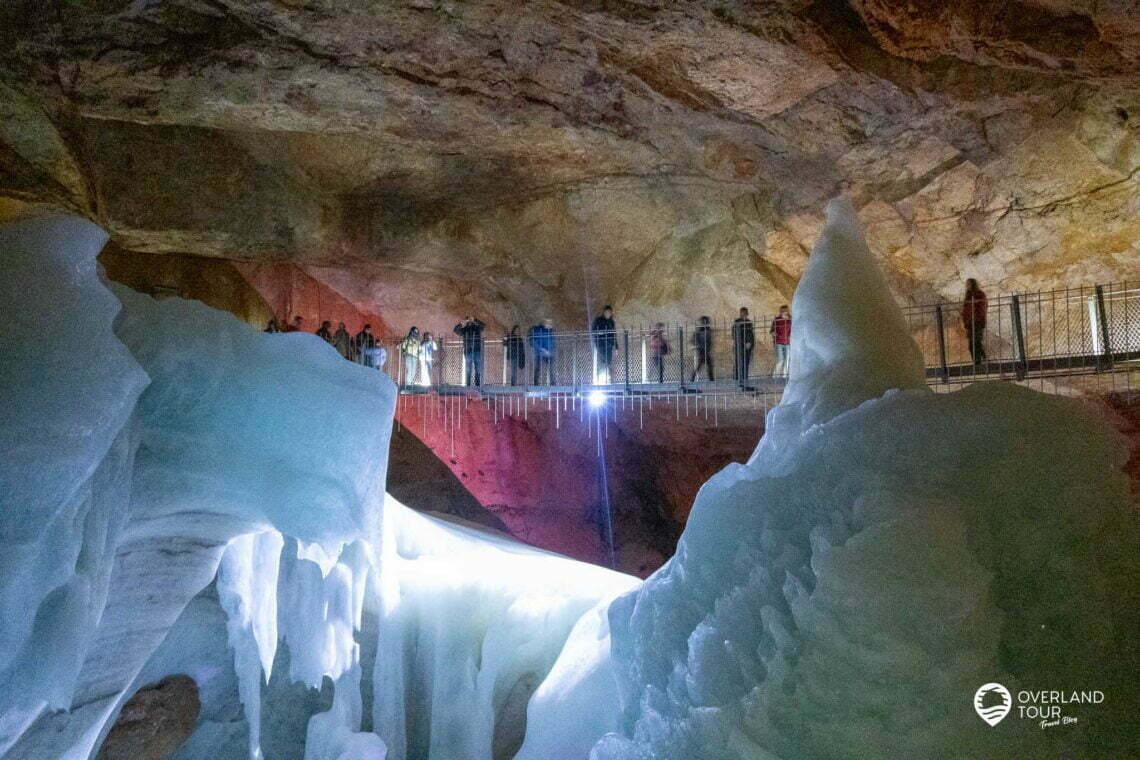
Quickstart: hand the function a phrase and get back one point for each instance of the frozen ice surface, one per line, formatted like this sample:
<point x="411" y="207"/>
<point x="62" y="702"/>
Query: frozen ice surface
<point x="470" y="623"/>
<point x="66" y="442"/>
<point x="265" y="430"/>
<point x="884" y="552"/>
<point x="117" y="478"/>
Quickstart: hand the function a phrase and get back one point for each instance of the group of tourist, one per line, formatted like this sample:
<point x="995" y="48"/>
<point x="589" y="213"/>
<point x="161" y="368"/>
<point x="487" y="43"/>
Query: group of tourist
<point x="603" y="335"/>
<point x="363" y="347"/>
<point x="418" y="352"/>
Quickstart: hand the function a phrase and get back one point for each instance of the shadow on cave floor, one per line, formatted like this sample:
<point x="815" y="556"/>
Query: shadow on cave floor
<point x="419" y="479"/>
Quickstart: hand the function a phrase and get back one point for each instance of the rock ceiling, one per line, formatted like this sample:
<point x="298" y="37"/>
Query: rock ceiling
<point x="429" y="158"/>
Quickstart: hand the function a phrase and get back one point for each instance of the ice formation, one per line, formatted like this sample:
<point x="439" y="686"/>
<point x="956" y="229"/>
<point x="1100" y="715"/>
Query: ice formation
<point x="186" y="495"/>
<point x="884" y="552"/>
<point x="66" y="434"/>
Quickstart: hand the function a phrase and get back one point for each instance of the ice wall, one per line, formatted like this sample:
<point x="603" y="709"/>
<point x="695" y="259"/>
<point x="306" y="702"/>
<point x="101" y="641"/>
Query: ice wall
<point x="885" y="551"/>
<point x="67" y="440"/>
<point x="133" y="457"/>
<point x="192" y="496"/>
<point x="470" y="623"/>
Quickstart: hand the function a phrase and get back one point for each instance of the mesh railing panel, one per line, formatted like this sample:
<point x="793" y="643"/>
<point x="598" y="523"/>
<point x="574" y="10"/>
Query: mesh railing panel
<point x="1072" y="328"/>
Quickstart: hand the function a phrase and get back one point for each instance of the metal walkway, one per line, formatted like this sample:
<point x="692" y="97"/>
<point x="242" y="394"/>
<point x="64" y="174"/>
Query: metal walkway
<point x="1089" y="331"/>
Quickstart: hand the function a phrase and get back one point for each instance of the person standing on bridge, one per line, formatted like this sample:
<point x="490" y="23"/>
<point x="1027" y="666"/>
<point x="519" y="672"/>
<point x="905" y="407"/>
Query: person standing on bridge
<point x="541" y="340"/>
<point x="781" y="332"/>
<point x="516" y="353"/>
<point x="410" y="351"/>
<point x="342" y="341"/>
<point x="605" y="338"/>
<point x="324" y="333"/>
<point x="743" y="340"/>
<point x="470" y="330"/>
<point x="366" y="348"/>
<point x="703" y="345"/>
<point x="974" y="307"/>
<point x="658" y="349"/>
<point x="428" y="349"/>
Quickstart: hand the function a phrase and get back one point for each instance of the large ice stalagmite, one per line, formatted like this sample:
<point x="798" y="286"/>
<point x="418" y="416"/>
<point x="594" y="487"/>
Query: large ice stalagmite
<point x="885" y="552"/>
<point x="228" y="522"/>
<point x="119" y="501"/>
<point x="67" y="437"/>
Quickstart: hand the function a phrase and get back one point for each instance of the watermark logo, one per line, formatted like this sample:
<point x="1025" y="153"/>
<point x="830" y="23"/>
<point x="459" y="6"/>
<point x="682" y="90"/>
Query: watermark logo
<point x="992" y="702"/>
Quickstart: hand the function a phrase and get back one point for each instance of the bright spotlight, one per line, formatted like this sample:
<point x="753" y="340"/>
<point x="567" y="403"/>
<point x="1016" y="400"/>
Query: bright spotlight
<point x="597" y="399"/>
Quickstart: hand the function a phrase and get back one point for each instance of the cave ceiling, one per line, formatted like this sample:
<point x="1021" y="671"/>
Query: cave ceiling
<point x="429" y="158"/>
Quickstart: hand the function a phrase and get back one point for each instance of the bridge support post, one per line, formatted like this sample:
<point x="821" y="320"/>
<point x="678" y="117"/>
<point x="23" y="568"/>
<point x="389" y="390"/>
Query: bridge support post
<point x="625" y="339"/>
<point x="1102" y="325"/>
<point x="681" y="352"/>
<point x="1020" y="365"/>
<point x="944" y="370"/>
<point x="574" y="366"/>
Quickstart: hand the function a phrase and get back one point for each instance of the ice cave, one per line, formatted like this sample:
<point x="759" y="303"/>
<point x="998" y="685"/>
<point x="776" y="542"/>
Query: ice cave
<point x="579" y="379"/>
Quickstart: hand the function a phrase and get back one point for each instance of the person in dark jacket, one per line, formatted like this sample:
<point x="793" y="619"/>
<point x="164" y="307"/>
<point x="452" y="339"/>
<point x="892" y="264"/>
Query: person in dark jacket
<point x="702" y="344"/>
<point x="541" y="339"/>
<point x="365" y="347"/>
<point x="324" y="332"/>
<point x="743" y="341"/>
<point x="974" y="307"/>
<point x="516" y="353"/>
<point x="470" y="330"/>
<point x="605" y="338"/>
<point x="342" y="341"/>
<point x="781" y="332"/>
<point x="272" y="326"/>
<point x="658" y="349"/>
<point x="298" y="324"/>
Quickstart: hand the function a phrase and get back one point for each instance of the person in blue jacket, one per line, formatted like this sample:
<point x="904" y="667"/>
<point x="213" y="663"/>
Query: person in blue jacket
<point x="542" y="350"/>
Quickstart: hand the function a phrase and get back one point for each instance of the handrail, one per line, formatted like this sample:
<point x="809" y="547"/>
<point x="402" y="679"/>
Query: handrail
<point x="1067" y="330"/>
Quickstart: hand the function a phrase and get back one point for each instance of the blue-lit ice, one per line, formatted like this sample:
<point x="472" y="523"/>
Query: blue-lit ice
<point x="885" y="551"/>
<point x="188" y="495"/>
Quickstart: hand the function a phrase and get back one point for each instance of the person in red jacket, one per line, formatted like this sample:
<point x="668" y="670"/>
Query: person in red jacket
<point x="781" y="332"/>
<point x="974" y="320"/>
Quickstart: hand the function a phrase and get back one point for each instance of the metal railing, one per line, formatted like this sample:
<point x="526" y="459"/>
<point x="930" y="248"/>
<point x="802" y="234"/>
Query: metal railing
<point x="1068" y="331"/>
<point x="628" y="357"/>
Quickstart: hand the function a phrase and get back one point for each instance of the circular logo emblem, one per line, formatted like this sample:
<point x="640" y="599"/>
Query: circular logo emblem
<point x="992" y="703"/>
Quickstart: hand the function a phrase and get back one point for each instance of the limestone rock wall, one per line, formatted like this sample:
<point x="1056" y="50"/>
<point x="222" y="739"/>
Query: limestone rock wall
<point x="429" y="158"/>
<point x="540" y="474"/>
